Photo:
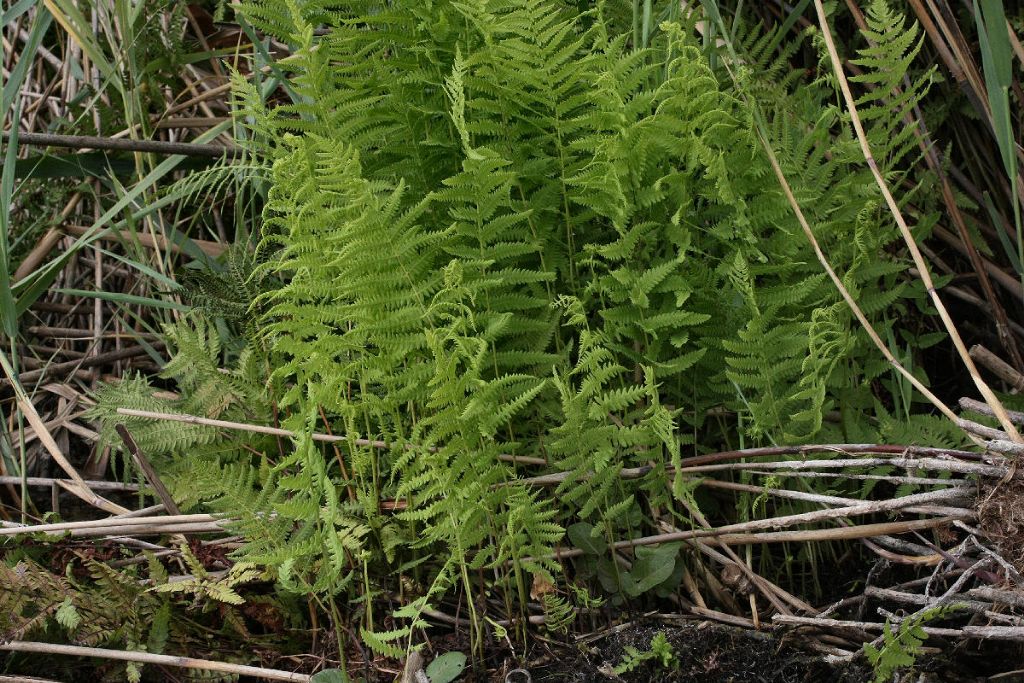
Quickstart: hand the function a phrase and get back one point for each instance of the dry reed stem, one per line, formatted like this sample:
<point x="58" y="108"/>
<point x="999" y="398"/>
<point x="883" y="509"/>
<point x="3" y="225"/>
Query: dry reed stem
<point x="981" y="632"/>
<point x="142" y="462"/>
<point x="732" y="535"/>
<point x="904" y="463"/>
<point x="908" y="237"/>
<point x="98" y="485"/>
<point x="78" y="485"/>
<point x="102" y="524"/>
<point x="150" y="658"/>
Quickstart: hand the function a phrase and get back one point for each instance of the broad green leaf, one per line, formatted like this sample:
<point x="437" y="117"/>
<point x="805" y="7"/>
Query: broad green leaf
<point x="653" y="565"/>
<point x="581" y="534"/>
<point x="330" y="676"/>
<point x="447" y="667"/>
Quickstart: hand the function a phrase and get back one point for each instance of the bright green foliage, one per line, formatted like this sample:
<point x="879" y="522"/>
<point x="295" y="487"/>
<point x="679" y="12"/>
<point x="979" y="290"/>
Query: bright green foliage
<point x="902" y="645"/>
<point x="203" y="584"/>
<point x="661" y="651"/>
<point x="498" y="229"/>
<point x="446" y="668"/>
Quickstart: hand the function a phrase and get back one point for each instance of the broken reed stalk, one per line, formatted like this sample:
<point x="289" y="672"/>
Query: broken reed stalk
<point x="78" y="486"/>
<point x="904" y="463"/>
<point x="81" y="363"/>
<point x="734" y="535"/>
<point x="980" y="632"/>
<point x="953" y="464"/>
<point x="154" y="146"/>
<point x="96" y="484"/>
<point x="984" y="409"/>
<point x="908" y="237"/>
<point x="159" y="660"/>
<point x="149" y="530"/>
<point x="142" y="462"/>
<point x="821" y="499"/>
<point x="120" y="521"/>
<point x="915" y="481"/>
<point x="998" y="366"/>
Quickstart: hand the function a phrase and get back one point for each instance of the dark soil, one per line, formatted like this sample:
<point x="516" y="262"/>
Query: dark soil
<point x="703" y="652"/>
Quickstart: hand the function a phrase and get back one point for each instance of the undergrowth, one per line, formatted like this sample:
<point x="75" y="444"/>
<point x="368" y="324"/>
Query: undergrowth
<point x="499" y="234"/>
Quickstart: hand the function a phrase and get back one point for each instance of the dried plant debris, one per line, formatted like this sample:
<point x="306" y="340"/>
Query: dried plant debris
<point x="1001" y="518"/>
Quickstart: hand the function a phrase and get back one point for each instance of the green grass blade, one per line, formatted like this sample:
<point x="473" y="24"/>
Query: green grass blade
<point x="142" y="268"/>
<point x="8" y="314"/>
<point x="997" y="59"/>
<point x="997" y="63"/>
<point x="34" y="285"/>
<point x="124" y="299"/>
<point x="16" y="10"/>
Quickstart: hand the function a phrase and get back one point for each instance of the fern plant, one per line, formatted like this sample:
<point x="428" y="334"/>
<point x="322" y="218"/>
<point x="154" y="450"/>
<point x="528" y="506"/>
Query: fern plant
<point x="901" y="645"/>
<point x="509" y="235"/>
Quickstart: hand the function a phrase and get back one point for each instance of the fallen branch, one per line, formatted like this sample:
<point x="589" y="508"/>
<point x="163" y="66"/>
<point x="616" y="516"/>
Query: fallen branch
<point x="79" y="364"/>
<point x="901" y="462"/>
<point x="96" y="484"/>
<point x="983" y="409"/>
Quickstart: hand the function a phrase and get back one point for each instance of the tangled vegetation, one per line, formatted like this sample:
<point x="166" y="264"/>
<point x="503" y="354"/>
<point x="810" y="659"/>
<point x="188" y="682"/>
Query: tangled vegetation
<point x="510" y="278"/>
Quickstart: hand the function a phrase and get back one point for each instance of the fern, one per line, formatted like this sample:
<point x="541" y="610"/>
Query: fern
<point x="901" y="645"/>
<point x="502" y="230"/>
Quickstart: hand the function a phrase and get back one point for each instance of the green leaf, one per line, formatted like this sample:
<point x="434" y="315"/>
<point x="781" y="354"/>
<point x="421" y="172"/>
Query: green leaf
<point x="160" y="630"/>
<point x="447" y="667"/>
<point x="653" y="565"/>
<point x="581" y="534"/>
<point x="330" y="676"/>
<point x="67" y="616"/>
